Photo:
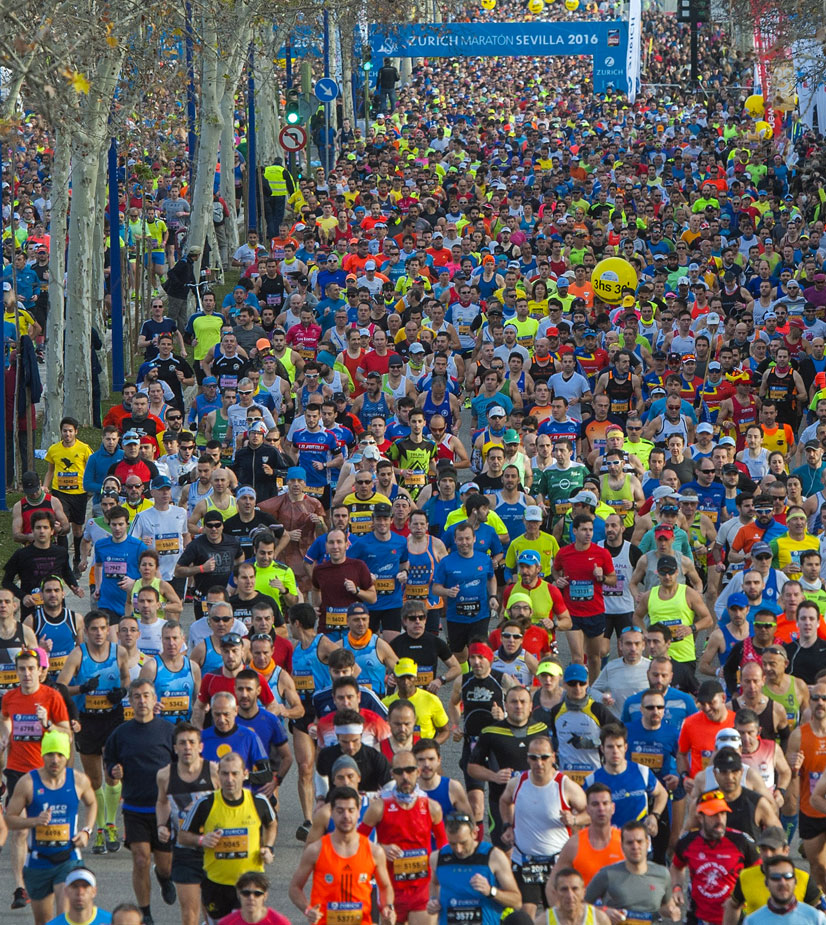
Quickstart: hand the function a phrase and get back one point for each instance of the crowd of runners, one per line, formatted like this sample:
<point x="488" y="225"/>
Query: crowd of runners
<point x="413" y="491"/>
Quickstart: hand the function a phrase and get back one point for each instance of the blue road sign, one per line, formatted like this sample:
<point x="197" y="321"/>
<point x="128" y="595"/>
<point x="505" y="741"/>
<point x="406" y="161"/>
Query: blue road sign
<point x="326" y="90"/>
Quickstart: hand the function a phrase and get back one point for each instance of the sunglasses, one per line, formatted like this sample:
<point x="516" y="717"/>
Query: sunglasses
<point x="245" y="391"/>
<point x="459" y="819"/>
<point x="789" y="875"/>
<point x="407" y="769"/>
<point x="416" y="617"/>
<point x="511" y="635"/>
<point x="654" y="706"/>
<point x="222" y="619"/>
<point x="712" y="795"/>
<point x="817" y="697"/>
<point x="253" y="892"/>
<point x="542" y="757"/>
<point x="763" y="623"/>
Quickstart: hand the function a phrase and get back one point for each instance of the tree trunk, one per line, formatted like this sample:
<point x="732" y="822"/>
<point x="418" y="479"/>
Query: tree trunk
<point x="346" y="42"/>
<point x="267" y="121"/>
<point x="228" y="167"/>
<point x="81" y="291"/>
<point x="55" y="320"/>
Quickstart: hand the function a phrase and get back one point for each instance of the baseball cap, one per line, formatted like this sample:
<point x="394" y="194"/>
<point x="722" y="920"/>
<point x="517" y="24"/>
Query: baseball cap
<point x="257" y="427"/>
<point x="796" y="323"/>
<point x="468" y="486"/>
<point x="683" y="281"/>
<point x="370" y="452"/>
<point x="549" y="668"/>
<point x="712" y="318"/>
<point x="811" y="445"/>
<point x="728" y="759"/>
<point x="382" y="510"/>
<point x="497" y="411"/>
<point x="416" y="348"/>
<point x="576" y="672"/>
<point x="533" y="513"/>
<point x="263" y="343"/>
<point x="585" y="497"/>
<point x="728" y="736"/>
<point x="712" y="807"/>
<point x="772" y="837"/>
<point x="704" y="428"/>
<point x="511" y="436"/>
<point x="30" y="480"/>
<point x="231" y="639"/>
<point x="726" y="441"/>
<point x="296" y="472"/>
<point x="759" y="549"/>
<point x="738" y="599"/>
<point x="664" y="491"/>
<point x="211" y="380"/>
<point x="664" y="528"/>
<point x="563" y="281"/>
<point x="161" y="481"/>
<point x="395" y="360"/>
<point x="405" y="667"/>
<point x="666" y="565"/>
<point x="130" y="436"/>
<point x="213" y="517"/>
<point x="714" y="365"/>
<point x="529" y="557"/>
<point x="80" y="873"/>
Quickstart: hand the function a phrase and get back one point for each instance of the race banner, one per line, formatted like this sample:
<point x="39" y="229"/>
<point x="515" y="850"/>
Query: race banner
<point x="606" y="42"/>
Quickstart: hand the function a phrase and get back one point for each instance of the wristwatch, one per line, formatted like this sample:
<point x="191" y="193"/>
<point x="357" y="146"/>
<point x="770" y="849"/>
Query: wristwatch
<point x="493" y="892"/>
<point x="88" y="830"/>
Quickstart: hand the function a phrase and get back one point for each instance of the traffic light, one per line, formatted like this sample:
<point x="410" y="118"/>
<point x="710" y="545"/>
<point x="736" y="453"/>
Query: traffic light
<point x="292" y="113"/>
<point x="366" y="60"/>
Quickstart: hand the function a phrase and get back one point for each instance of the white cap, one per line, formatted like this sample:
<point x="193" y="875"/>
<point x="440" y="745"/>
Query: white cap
<point x="728" y="737"/>
<point x="704" y="428"/>
<point x="370" y="452"/>
<point x="683" y="281"/>
<point x="533" y="512"/>
<point x="496" y="411"/>
<point x="663" y="491"/>
<point x="712" y="319"/>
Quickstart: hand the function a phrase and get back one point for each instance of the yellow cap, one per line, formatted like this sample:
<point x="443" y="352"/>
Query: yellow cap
<point x="405" y="666"/>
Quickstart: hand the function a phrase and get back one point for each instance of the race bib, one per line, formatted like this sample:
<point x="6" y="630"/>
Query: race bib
<point x="114" y="570"/>
<point x="26" y="727"/>
<point x="578" y="777"/>
<point x="336" y="617"/>
<point x="8" y="679"/>
<point x="536" y="870"/>
<point x="632" y="917"/>
<point x="467" y="608"/>
<point x="315" y="491"/>
<point x="412" y="865"/>
<point x="617" y="589"/>
<point x="57" y="834"/>
<point x="304" y="682"/>
<point x="648" y="760"/>
<point x="581" y="590"/>
<point x="233" y="844"/>
<point x="385" y="585"/>
<point x="227" y="382"/>
<point x="464" y="915"/>
<point x="423" y="678"/>
<point x="562" y="507"/>
<point x="417" y="591"/>
<point x="68" y="481"/>
<point x="344" y="913"/>
<point x="96" y="703"/>
<point x="56" y="664"/>
<point x="416" y="480"/>
<point x="167" y="544"/>
<point x="174" y="704"/>
<point x="128" y="713"/>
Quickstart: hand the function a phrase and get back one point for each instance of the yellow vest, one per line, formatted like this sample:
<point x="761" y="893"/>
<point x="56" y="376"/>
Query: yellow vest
<point x="239" y="849"/>
<point x="274" y="175"/>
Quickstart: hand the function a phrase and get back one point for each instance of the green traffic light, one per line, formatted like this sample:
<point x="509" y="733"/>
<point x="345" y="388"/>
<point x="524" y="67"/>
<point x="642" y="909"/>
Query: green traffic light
<point x="293" y="118"/>
<point x="368" y="65"/>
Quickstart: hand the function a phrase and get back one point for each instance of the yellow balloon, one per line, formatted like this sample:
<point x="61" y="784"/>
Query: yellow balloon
<point x="755" y="106"/>
<point x="536" y="6"/>
<point x="571" y="5"/>
<point x="488" y="4"/>
<point x="611" y="275"/>
<point x="764" y="130"/>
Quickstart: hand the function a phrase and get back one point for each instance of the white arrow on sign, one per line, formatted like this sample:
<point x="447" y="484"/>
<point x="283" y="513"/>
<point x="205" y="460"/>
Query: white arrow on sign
<point x="292" y="138"/>
<point x="326" y="89"/>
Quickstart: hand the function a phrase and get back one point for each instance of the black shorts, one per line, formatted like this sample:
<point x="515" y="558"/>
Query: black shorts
<point x="303" y="723"/>
<point x="434" y="620"/>
<point x="74" y="505"/>
<point x="615" y="623"/>
<point x="142" y="827"/>
<point x="95" y="729"/>
<point x="114" y="617"/>
<point x="187" y="865"/>
<point x="12" y="777"/>
<point x="531" y="877"/>
<point x="219" y="899"/>
<point x="591" y="626"/>
<point x="386" y="620"/>
<point x="460" y="634"/>
<point x="809" y="827"/>
<point x="471" y="783"/>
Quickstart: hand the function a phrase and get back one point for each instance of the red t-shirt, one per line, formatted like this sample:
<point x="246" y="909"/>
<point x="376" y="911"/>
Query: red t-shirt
<point x="697" y="736"/>
<point x="271" y="918"/>
<point x="583" y="596"/>
<point x="212" y="683"/>
<point x="26" y="729"/>
<point x="373" y="363"/>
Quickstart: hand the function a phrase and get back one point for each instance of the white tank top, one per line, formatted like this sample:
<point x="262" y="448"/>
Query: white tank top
<point x="709" y="782"/>
<point x="618" y="599"/>
<point x="537" y="828"/>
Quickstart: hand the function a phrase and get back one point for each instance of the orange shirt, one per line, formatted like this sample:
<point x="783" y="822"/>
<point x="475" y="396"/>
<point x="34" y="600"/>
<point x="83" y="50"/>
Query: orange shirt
<point x="26" y="729"/>
<point x="589" y="861"/>
<point x="697" y="736"/>
<point x="338" y="880"/>
<point x="746" y="537"/>
<point x="813" y="749"/>
<point x="585" y="291"/>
